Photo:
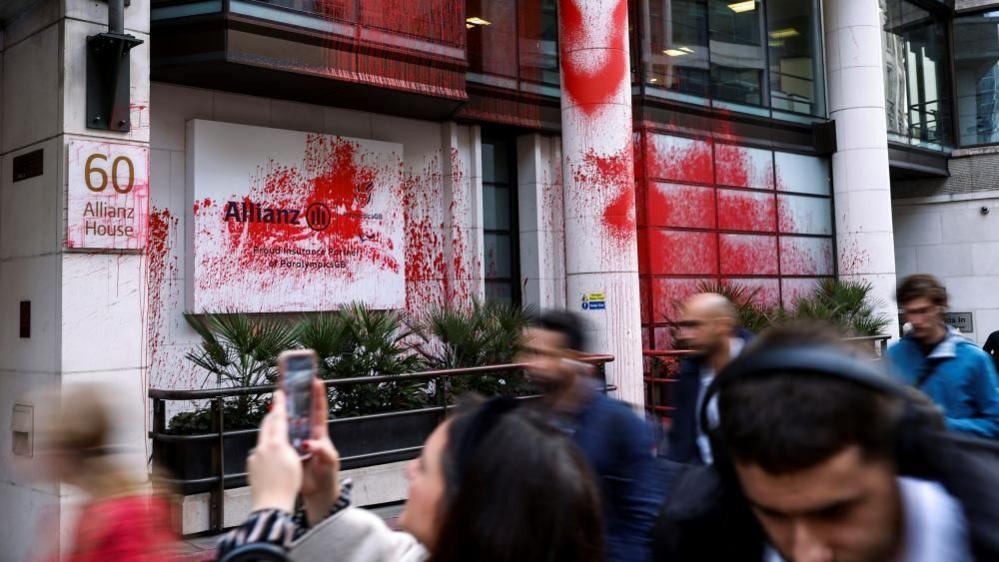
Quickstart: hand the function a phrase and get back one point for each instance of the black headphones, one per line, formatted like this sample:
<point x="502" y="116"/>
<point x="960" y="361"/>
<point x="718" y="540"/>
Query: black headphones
<point x="830" y="361"/>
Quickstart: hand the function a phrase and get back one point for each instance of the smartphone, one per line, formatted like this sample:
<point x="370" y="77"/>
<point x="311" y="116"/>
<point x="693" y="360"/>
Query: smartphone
<point x="296" y="371"/>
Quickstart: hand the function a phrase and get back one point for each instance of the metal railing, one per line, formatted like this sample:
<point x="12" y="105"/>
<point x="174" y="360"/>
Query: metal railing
<point x="660" y="372"/>
<point x="218" y="434"/>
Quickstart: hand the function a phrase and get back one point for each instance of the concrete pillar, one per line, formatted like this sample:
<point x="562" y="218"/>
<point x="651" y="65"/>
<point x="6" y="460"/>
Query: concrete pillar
<point x="862" y="187"/>
<point x="86" y="307"/>
<point x="462" y="192"/>
<point x="542" y="229"/>
<point x="599" y="180"/>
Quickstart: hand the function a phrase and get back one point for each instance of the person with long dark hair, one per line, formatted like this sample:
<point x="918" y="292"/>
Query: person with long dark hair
<point x="495" y="483"/>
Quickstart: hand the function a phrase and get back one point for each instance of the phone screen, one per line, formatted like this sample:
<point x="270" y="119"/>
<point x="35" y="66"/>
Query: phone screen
<point x="298" y="387"/>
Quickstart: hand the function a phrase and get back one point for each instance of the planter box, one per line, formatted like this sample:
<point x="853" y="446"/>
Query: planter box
<point x="377" y="439"/>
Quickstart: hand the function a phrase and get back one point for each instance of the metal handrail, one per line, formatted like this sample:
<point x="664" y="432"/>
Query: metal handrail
<point x="661" y="405"/>
<point x="159" y="397"/>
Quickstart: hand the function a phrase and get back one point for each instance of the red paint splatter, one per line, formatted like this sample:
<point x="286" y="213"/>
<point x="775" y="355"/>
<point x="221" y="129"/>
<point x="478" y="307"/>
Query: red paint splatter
<point x="439" y="264"/>
<point x="610" y="178"/>
<point x="682" y="253"/>
<point x="679" y="159"/>
<point x="691" y="249"/>
<point x="593" y="87"/>
<point x="334" y="177"/>
<point x="160" y="270"/>
<point x="748" y="255"/>
<point x="684" y="206"/>
<point x="745" y="210"/>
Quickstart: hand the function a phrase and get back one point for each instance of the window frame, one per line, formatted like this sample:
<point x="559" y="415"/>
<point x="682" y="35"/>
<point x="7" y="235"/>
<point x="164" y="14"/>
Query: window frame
<point x="516" y="293"/>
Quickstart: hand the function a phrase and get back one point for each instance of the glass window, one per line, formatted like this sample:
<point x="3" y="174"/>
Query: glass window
<point x="738" y="58"/>
<point x="538" y="23"/>
<point x="745" y="55"/>
<point x="492" y="36"/>
<point x="976" y="63"/>
<point x="500" y="240"/>
<point x="676" y="53"/>
<point x="795" y="65"/>
<point x="917" y="104"/>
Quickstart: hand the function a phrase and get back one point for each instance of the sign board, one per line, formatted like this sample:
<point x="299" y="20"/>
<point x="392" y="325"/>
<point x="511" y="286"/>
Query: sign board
<point x="594" y="301"/>
<point x="285" y="221"/>
<point x="961" y="320"/>
<point x="107" y="196"/>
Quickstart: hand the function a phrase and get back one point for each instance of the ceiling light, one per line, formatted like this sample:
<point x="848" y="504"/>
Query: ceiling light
<point x="739" y="7"/>
<point x="469" y="26"/>
<point x="784" y="33"/>
<point x="674" y="52"/>
<point x="653" y="80"/>
<point x="475" y="20"/>
<point x="686" y="49"/>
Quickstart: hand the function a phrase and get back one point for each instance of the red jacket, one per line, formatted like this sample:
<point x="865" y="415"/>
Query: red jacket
<point x="134" y="529"/>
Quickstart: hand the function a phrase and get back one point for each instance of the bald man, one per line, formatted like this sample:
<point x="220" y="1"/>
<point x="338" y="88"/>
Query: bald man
<point x="707" y="326"/>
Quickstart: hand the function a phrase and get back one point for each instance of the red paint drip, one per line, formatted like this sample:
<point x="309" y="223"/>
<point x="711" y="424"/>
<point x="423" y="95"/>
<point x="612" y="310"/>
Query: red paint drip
<point x="160" y="270"/>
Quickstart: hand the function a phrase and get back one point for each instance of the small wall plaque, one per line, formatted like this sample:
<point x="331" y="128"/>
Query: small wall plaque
<point x="963" y="321"/>
<point x="28" y="165"/>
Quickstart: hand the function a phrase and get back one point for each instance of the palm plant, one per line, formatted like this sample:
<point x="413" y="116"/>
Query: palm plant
<point x="845" y="304"/>
<point x="357" y="342"/>
<point x="238" y="351"/>
<point x="483" y="334"/>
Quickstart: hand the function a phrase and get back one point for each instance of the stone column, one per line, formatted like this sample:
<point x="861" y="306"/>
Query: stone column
<point x="862" y="188"/>
<point x="84" y="308"/>
<point x="599" y="180"/>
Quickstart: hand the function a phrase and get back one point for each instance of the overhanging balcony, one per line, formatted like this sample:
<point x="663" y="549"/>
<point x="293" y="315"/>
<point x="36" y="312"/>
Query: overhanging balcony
<point x="332" y="52"/>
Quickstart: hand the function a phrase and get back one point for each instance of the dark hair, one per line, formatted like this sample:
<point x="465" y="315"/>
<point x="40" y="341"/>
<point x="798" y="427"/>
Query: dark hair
<point x="564" y="322"/>
<point x="919" y="286"/>
<point x="524" y="493"/>
<point x="786" y="421"/>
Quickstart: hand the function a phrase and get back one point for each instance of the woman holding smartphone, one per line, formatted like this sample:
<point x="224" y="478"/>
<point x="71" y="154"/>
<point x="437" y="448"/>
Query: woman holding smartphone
<point x="496" y="482"/>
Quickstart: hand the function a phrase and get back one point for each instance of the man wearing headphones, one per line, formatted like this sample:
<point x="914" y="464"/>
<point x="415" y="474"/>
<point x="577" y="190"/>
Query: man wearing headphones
<point x="937" y="360"/>
<point x="821" y="457"/>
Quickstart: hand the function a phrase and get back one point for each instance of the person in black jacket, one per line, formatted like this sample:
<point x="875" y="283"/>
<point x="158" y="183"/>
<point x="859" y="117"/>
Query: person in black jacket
<point x="992" y="347"/>
<point x="707" y="326"/>
<point x="821" y="456"/>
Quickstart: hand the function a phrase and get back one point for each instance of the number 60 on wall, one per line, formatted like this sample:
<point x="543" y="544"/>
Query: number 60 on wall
<point x="93" y="169"/>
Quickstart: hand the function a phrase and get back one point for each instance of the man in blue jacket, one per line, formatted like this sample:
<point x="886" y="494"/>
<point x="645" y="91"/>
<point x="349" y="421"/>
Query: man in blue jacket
<point x="952" y="371"/>
<point x="616" y="442"/>
<point x="707" y="326"/>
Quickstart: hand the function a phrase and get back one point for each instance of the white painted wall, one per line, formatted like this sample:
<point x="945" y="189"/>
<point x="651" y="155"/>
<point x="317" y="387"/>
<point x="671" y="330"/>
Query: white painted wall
<point x="86" y="324"/>
<point x="948" y="236"/>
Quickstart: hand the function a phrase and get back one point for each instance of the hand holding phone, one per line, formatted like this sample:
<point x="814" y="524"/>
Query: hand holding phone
<point x="296" y="372"/>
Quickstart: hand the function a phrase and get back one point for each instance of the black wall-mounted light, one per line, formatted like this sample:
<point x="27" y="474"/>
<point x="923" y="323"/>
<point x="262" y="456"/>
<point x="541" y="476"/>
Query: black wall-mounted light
<point x="108" y="76"/>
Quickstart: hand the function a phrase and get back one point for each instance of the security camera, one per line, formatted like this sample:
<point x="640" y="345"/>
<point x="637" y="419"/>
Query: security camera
<point x="984" y="210"/>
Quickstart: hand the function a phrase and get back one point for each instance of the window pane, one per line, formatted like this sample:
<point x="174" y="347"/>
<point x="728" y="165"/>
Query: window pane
<point x="916" y="100"/>
<point x="501" y="291"/>
<point x="496" y="207"/>
<point x="795" y="61"/>
<point x="495" y="162"/>
<point x="539" y="41"/>
<point x="499" y="258"/>
<point x="491" y="37"/>
<point x="676" y="56"/>
<point x="976" y="60"/>
<point x="738" y="59"/>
